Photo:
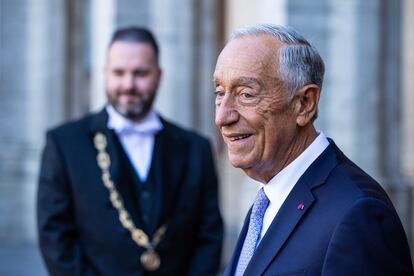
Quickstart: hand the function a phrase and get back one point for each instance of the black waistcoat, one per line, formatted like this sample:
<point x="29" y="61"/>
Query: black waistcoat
<point x="146" y="195"/>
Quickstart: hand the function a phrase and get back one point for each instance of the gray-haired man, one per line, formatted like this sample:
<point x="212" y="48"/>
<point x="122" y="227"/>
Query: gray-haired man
<point x="316" y="212"/>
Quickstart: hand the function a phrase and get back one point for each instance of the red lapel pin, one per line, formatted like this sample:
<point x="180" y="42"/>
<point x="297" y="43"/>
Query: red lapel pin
<point x="301" y="206"/>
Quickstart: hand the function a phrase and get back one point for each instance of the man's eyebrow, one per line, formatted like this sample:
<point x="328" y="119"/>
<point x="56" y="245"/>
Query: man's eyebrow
<point x="248" y="81"/>
<point x="242" y="81"/>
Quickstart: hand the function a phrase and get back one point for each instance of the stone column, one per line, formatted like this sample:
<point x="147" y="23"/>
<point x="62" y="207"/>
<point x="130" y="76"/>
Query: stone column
<point x="187" y="31"/>
<point x="77" y="64"/>
<point x="32" y="78"/>
<point x="390" y="115"/>
<point x="14" y="144"/>
<point x="406" y="148"/>
<point x="174" y="23"/>
<point x="102" y="21"/>
<point x="408" y="88"/>
<point x="132" y="12"/>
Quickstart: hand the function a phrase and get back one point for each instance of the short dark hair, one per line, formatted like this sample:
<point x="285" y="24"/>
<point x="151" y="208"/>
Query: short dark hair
<point x="135" y="34"/>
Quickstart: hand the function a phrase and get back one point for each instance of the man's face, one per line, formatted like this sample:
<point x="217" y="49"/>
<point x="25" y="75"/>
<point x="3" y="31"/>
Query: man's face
<point x="132" y="76"/>
<point x="252" y="107"/>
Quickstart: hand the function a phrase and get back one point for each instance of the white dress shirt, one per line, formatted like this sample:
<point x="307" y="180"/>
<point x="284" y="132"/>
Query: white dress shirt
<point x="279" y="187"/>
<point x="137" y="139"/>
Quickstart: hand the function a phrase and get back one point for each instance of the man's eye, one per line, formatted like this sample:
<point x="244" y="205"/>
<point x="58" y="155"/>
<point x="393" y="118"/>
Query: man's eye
<point x="118" y="72"/>
<point x="246" y="95"/>
<point x="141" y="73"/>
<point x="219" y="94"/>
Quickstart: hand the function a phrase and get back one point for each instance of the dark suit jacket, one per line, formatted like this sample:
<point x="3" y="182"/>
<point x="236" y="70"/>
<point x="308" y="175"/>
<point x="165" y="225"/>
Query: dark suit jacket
<point x="79" y="230"/>
<point x="348" y="227"/>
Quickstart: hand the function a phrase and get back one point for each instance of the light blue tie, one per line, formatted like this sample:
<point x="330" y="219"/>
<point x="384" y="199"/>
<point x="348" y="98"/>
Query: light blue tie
<point x="253" y="232"/>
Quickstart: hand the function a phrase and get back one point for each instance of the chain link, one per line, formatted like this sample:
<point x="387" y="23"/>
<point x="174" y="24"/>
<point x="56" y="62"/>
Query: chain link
<point x="138" y="235"/>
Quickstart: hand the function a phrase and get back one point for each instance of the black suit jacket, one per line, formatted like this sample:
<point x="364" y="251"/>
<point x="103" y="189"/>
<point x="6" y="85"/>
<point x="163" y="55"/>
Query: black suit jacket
<point x="348" y="226"/>
<point x="79" y="230"/>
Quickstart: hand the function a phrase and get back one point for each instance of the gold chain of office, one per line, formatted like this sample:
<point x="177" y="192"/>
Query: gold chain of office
<point x="150" y="259"/>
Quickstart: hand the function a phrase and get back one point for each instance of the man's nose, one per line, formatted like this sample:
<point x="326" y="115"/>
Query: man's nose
<point x="226" y="112"/>
<point x="128" y="82"/>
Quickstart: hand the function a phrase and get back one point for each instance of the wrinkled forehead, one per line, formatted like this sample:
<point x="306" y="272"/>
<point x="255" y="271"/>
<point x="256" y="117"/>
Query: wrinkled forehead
<point x="250" y="54"/>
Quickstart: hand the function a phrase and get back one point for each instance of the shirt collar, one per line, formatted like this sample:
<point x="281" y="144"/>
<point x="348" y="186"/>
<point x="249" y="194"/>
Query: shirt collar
<point x="150" y="124"/>
<point x="283" y="182"/>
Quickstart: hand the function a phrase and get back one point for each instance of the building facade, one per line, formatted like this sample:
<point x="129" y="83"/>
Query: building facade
<point x="52" y="54"/>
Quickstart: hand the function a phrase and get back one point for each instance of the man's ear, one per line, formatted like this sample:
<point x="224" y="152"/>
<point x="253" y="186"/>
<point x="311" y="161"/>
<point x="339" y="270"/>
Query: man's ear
<point x="307" y="104"/>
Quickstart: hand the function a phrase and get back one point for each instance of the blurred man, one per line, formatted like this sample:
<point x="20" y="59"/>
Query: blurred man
<point x="123" y="191"/>
<point x="316" y="212"/>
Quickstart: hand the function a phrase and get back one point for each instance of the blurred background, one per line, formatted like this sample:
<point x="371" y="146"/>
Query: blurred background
<point x="51" y="58"/>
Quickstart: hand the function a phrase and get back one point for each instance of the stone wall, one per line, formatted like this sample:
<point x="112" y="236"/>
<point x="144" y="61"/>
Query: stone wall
<point x="52" y="53"/>
<point x="32" y="72"/>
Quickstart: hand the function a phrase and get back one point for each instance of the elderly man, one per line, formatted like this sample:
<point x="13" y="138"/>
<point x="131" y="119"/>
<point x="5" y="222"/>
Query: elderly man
<point x="316" y="212"/>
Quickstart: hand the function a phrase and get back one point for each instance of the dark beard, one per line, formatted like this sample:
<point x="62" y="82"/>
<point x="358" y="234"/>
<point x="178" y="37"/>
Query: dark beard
<point x="134" y="113"/>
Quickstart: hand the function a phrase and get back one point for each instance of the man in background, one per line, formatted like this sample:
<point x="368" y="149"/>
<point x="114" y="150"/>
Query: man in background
<point x="316" y="212"/>
<point x="123" y="191"/>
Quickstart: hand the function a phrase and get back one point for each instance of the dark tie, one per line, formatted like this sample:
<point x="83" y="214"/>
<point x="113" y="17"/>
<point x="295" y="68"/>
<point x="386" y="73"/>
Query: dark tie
<point x="253" y="232"/>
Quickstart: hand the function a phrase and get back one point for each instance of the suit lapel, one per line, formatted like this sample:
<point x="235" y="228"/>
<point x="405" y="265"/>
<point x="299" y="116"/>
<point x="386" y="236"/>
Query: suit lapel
<point x="99" y="124"/>
<point x="289" y="215"/>
<point x="118" y="173"/>
<point x="281" y="228"/>
<point x="156" y="171"/>
<point x="169" y="168"/>
<point x="231" y="267"/>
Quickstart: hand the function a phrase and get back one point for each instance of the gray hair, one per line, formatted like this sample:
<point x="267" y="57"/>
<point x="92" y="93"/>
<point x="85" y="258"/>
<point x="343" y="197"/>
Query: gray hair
<point x="300" y="62"/>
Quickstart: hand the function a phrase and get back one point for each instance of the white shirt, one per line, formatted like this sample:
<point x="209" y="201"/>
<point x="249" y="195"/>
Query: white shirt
<point x="137" y="139"/>
<point x="279" y="187"/>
